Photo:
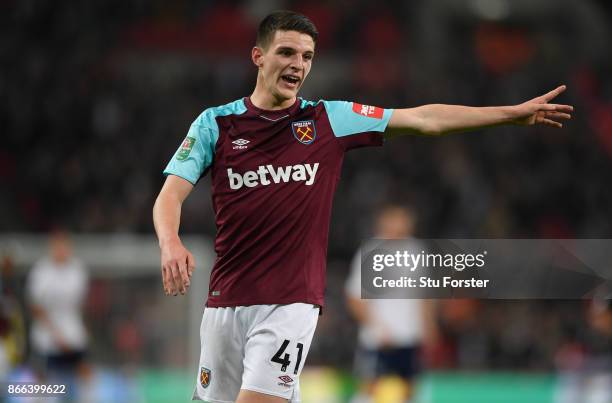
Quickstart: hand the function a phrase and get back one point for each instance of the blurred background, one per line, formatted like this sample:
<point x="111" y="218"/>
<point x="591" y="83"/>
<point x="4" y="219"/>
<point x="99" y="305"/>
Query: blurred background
<point x="95" y="97"/>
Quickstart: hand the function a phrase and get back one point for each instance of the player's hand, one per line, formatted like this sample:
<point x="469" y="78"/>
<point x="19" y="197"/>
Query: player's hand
<point x="382" y="333"/>
<point x="177" y="265"/>
<point x="540" y="111"/>
<point x="60" y="342"/>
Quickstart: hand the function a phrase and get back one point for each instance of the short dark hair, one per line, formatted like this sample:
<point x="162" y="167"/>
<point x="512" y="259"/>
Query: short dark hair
<point x="284" y="21"/>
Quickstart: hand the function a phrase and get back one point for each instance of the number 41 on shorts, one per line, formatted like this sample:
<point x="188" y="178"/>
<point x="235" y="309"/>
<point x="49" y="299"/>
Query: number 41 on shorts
<point x="285" y="360"/>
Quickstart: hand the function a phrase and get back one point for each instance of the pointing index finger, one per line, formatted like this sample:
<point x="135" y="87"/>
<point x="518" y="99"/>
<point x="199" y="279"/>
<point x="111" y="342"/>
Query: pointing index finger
<point x="550" y="95"/>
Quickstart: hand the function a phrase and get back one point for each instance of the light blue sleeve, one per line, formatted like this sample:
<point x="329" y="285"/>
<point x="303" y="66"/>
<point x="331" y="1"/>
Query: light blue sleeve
<point x="348" y="118"/>
<point x="196" y="152"/>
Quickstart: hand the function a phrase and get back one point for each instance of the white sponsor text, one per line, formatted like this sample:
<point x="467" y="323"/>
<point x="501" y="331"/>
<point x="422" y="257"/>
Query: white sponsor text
<point x="268" y="174"/>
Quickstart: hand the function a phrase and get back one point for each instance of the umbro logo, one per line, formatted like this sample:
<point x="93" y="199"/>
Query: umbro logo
<point x="240" y="144"/>
<point x="286" y="381"/>
<point x="286" y="378"/>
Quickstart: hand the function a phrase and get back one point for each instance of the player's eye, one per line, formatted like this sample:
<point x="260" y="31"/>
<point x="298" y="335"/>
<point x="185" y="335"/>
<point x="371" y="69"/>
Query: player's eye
<point x="308" y="56"/>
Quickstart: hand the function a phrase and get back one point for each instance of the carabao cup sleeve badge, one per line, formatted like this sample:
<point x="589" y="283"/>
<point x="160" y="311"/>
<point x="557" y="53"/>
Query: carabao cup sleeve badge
<point x="185" y="149"/>
<point x="205" y="376"/>
<point x="304" y="131"/>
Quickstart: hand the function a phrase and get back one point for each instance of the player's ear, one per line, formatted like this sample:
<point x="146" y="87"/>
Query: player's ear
<point x="257" y="56"/>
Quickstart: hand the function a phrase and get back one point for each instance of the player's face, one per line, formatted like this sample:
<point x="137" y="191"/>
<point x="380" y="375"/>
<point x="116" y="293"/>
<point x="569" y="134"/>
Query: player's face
<point x="286" y="62"/>
<point x="395" y="224"/>
<point x="60" y="247"/>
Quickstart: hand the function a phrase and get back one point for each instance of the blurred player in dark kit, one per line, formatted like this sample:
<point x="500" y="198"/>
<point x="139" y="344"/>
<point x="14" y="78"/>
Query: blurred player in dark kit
<point x="275" y="161"/>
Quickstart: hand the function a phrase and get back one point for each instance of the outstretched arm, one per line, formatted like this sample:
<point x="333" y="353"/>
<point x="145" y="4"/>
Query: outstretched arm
<point x="438" y="119"/>
<point x="177" y="263"/>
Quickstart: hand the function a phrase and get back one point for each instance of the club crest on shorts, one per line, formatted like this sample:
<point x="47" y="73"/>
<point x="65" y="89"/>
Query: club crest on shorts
<point x="205" y="375"/>
<point x="304" y="131"/>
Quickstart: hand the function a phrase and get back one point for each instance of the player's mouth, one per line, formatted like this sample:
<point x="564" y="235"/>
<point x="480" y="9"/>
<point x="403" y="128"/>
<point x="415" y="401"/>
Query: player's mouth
<point x="290" y="80"/>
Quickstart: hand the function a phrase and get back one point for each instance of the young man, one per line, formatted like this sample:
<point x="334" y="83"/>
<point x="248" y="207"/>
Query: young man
<point x="275" y="160"/>
<point x="56" y="290"/>
<point x="391" y="331"/>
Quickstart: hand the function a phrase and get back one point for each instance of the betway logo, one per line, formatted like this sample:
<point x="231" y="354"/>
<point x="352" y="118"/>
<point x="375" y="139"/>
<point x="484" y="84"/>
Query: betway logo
<point x="296" y="173"/>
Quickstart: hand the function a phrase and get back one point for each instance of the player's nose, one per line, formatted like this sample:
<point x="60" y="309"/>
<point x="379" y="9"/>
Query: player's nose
<point x="297" y="62"/>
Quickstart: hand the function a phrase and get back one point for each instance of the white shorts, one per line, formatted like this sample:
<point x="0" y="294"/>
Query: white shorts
<point x="261" y="348"/>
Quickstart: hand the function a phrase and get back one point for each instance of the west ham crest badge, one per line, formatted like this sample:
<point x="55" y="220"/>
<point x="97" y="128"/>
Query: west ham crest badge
<point x="205" y="376"/>
<point x="304" y="131"/>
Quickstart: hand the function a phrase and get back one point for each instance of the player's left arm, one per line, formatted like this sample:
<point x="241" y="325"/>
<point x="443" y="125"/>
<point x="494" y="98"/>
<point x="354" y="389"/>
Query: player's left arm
<point x="438" y="119"/>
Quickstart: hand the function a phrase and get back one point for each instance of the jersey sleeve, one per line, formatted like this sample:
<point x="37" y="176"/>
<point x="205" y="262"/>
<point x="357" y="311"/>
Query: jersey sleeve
<point x="356" y="125"/>
<point x="195" y="154"/>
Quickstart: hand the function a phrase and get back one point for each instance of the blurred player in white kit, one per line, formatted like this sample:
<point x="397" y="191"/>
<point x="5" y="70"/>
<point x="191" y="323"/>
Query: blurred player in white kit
<point x="392" y="331"/>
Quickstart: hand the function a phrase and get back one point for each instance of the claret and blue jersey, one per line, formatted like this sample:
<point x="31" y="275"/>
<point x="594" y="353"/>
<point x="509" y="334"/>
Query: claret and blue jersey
<point x="274" y="174"/>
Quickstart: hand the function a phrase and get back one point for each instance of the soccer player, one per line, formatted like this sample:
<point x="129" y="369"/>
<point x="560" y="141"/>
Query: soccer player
<point x="391" y="331"/>
<point x="275" y="161"/>
<point x="56" y="289"/>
